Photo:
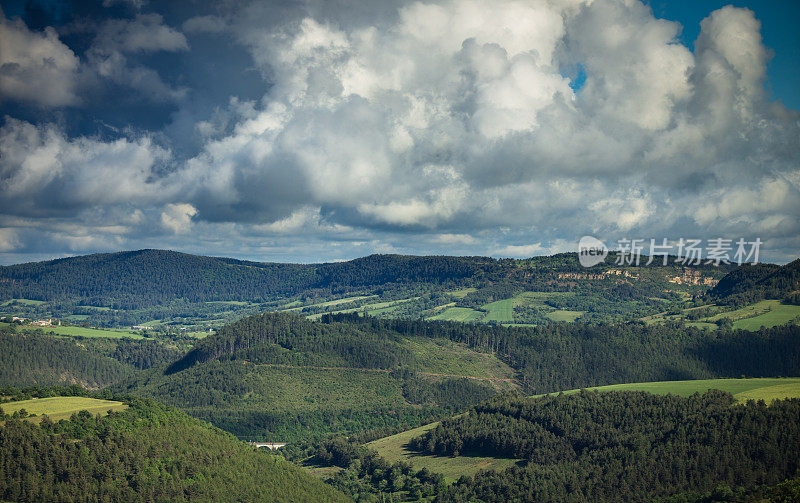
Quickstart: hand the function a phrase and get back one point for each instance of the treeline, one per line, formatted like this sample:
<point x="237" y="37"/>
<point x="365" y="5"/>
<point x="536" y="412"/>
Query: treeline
<point x="752" y="283"/>
<point x="564" y="356"/>
<point x="145" y="453"/>
<point x="619" y="446"/>
<point x="365" y="476"/>
<point x="28" y="358"/>
<point x="144" y="278"/>
<point x="283" y="338"/>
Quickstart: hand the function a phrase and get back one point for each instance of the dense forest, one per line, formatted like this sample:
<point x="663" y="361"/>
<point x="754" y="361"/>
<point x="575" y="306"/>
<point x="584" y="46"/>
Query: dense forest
<point x="30" y="358"/>
<point x="144" y="278"/>
<point x="281" y="376"/>
<point x="278" y="375"/>
<point x="146" y="453"/>
<point x="751" y="283"/>
<point x="148" y="278"/>
<point x="619" y="446"/>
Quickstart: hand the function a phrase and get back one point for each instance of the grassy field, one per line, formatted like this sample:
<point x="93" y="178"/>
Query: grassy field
<point x="394" y="448"/>
<point x="27" y="302"/>
<point x="447" y="357"/>
<point x="501" y="311"/>
<point x="329" y="303"/>
<point x="778" y="314"/>
<point x="372" y="309"/>
<point x="62" y="407"/>
<point x="564" y="315"/>
<point x="458" y="314"/>
<point x="767" y="313"/>
<point x="83" y="332"/>
<point x="461" y="293"/>
<point x="741" y="389"/>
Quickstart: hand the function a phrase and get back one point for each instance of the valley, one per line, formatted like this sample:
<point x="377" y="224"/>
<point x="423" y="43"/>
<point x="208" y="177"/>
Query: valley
<point x="359" y="370"/>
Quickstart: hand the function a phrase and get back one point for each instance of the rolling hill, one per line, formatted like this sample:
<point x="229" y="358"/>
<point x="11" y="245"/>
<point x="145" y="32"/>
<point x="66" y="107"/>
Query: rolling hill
<point x="281" y="377"/>
<point x="177" y="289"/>
<point x="146" y="452"/>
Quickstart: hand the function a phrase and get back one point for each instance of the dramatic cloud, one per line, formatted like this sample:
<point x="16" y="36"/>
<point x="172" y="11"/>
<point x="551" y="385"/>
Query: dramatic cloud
<point x="35" y="67"/>
<point x="473" y="126"/>
<point x="178" y="217"/>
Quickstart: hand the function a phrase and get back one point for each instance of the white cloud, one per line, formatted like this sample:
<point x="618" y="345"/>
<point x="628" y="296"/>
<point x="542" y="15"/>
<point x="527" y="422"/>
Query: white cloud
<point x="145" y="33"/>
<point x="36" y="66"/>
<point x="9" y="240"/>
<point x="178" y="217"/>
<point x="42" y="172"/>
<point x="455" y="116"/>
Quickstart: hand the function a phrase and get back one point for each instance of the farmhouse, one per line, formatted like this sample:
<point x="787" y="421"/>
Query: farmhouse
<point x="49" y="322"/>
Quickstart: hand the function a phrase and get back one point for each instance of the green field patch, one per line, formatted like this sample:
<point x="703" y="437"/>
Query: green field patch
<point x="62" y="407"/>
<point x="25" y="302"/>
<point x="771" y="393"/>
<point x="741" y="389"/>
<point x="564" y="315"/>
<point x="330" y="303"/>
<point x="461" y="292"/>
<point x="464" y="314"/>
<point x="767" y="313"/>
<point x="395" y="448"/>
<point x="372" y="309"/>
<point x="237" y="303"/>
<point x="501" y="311"/>
<point x="71" y="331"/>
<point x="443" y="356"/>
<point x="780" y="314"/>
<point x="702" y="324"/>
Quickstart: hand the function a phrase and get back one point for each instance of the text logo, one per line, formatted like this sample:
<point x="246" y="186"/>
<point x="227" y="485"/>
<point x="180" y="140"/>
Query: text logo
<point x="591" y="251"/>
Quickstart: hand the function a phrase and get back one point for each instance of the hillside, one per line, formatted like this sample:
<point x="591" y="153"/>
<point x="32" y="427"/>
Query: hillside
<point x="616" y="446"/>
<point x="145" y="453"/>
<point x="182" y="291"/>
<point x="28" y="358"/>
<point x="752" y="283"/>
<point x="397" y="447"/>
<point x="280" y="377"/>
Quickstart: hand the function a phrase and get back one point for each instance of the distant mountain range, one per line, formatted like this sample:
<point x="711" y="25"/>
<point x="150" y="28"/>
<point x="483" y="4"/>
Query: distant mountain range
<point x="153" y="276"/>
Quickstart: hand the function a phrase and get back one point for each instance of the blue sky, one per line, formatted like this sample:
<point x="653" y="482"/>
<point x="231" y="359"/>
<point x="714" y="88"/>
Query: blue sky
<point x="314" y="131"/>
<point x="779" y="20"/>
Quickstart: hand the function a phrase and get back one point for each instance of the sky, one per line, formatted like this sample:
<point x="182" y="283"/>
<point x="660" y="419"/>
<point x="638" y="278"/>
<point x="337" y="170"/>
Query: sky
<point x="310" y="131"/>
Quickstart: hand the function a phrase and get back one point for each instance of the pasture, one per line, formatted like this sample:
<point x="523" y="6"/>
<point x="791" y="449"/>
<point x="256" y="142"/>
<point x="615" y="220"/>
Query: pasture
<point x="741" y="389"/>
<point x="62" y="407"/>
<point x="71" y="331"/>
<point x="454" y="313"/>
<point x="394" y="448"/>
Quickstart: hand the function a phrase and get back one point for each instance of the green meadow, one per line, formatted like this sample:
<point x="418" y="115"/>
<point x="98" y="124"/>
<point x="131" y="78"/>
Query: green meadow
<point x="741" y="389"/>
<point x="458" y="314"/>
<point x="62" y="407"/>
<point x="394" y="448"/>
<point x="71" y="331"/>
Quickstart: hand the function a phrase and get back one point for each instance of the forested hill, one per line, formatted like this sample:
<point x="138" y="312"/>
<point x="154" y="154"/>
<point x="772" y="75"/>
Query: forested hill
<point x="138" y="279"/>
<point x="149" y="277"/>
<point x="621" y="446"/>
<point x="146" y="453"/>
<point x="757" y="282"/>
